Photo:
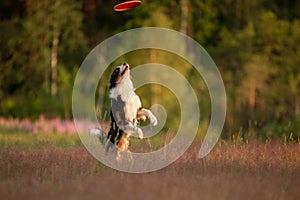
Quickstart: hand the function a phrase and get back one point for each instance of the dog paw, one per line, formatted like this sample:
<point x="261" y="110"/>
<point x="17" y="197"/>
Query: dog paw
<point x="100" y="134"/>
<point x="153" y="120"/>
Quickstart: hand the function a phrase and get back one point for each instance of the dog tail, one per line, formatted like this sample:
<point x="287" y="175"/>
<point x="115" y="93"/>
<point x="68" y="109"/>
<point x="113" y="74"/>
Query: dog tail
<point x="100" y="134"/>
<point x="104" y="139"/>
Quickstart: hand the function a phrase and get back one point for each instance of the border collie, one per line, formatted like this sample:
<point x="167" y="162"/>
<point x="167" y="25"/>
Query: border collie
<point x="126" y="111"/>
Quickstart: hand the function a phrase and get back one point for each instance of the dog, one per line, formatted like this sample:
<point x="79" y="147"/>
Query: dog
<point x="126" y="111"/>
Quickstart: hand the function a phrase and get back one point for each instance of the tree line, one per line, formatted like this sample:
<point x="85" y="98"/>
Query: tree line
<point x="255" y="44"/>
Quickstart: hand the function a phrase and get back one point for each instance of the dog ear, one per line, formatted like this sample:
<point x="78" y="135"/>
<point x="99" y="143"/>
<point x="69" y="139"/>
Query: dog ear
<point x="114" y="77"/>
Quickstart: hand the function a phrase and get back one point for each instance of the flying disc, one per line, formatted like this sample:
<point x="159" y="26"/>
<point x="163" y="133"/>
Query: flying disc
<point x="127" y="5"/>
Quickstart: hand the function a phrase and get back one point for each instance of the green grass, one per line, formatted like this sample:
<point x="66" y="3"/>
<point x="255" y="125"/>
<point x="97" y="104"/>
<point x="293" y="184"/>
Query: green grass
<point x="23" y="140"/>
<point x="26" y="140"/>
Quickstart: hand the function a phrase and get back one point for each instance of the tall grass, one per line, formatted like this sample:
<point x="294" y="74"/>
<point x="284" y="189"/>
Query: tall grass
<point x="54" y="165"/>
<point x="246" y="171"/>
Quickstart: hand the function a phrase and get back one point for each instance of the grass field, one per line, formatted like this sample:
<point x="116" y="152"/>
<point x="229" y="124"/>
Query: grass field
<point x="34" y="166"/>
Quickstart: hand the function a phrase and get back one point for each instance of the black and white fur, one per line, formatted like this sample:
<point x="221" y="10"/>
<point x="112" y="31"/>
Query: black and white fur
<point x="126" y="111"/>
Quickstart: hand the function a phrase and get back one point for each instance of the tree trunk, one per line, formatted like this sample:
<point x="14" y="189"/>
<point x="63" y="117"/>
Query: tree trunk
<point x="28" y="7"/>
<point x="54" y="58"/>
<point x="184" y="16"/>
<point x="252" y="99"/>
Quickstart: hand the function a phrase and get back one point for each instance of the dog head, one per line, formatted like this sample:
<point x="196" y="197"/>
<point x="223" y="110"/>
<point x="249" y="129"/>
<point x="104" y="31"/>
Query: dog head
<point x="119" y="74"/>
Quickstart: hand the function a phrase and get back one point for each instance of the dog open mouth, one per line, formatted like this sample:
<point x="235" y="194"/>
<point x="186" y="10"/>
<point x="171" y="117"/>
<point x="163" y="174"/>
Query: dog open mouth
<point x="125" y="69"/>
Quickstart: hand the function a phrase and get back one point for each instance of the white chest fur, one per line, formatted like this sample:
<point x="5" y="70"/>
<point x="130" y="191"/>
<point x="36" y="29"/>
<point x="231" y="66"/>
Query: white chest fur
<point x="131" y="107"/>
<point x="131" y="101"/>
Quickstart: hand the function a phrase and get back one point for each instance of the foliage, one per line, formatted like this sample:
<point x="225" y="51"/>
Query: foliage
<point x="26" y="48"/>
<point x="253" y="42"/>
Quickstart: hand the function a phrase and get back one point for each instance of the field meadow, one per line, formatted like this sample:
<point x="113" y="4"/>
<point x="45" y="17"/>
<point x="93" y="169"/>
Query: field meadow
<point x="35" y="165"/>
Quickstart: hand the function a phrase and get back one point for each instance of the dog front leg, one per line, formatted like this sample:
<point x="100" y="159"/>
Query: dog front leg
<point x="142" y="112"/>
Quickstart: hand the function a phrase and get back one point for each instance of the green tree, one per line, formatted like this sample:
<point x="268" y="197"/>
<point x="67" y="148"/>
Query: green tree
<point x="34" y="47"/>
<point x="280" y="46"/>
<point x="55" y="26"/>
